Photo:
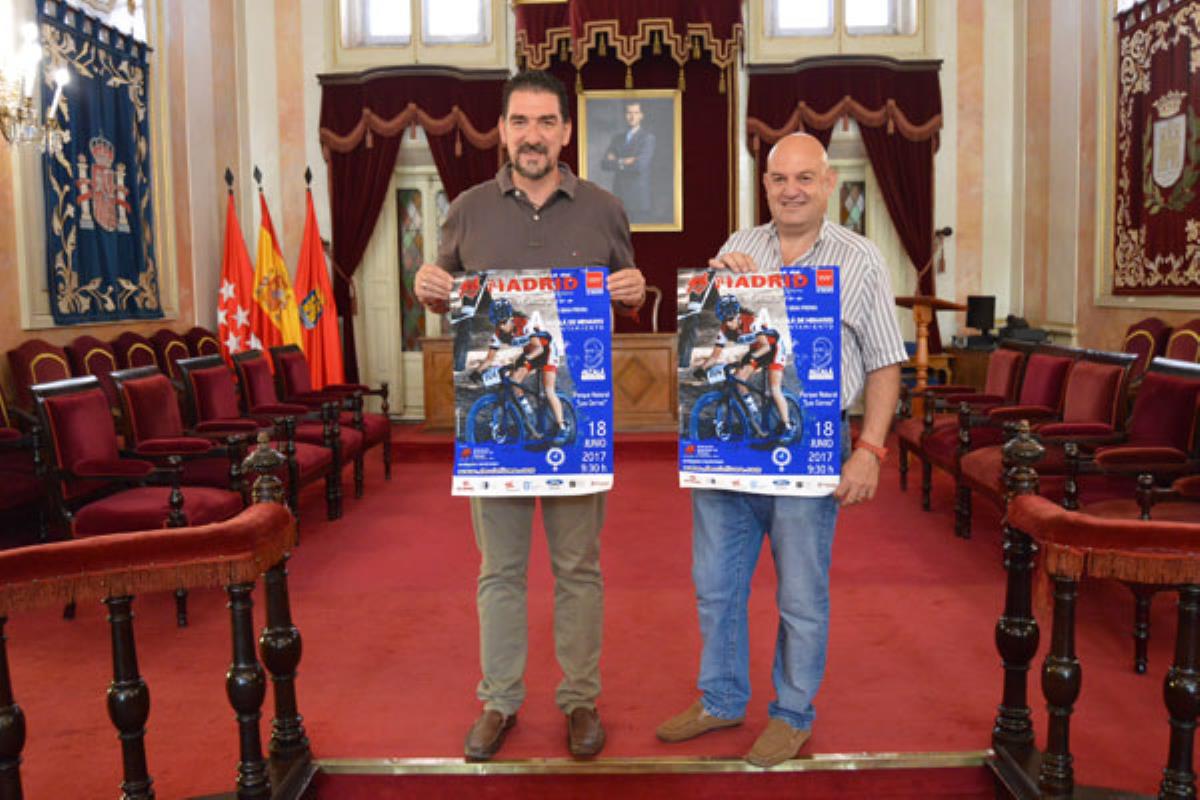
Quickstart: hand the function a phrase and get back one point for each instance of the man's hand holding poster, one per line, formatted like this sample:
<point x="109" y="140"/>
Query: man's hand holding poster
<point x="533" y="397"/>
<point x="760" y="399"/>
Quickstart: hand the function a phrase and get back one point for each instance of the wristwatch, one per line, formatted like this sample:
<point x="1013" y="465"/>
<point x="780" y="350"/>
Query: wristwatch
<point x="874" y="449"/>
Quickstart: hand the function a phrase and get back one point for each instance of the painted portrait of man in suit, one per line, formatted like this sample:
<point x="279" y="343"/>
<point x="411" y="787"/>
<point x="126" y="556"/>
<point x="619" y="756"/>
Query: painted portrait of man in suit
<point x="629" y="157"/>
<point x="629" y="143"/>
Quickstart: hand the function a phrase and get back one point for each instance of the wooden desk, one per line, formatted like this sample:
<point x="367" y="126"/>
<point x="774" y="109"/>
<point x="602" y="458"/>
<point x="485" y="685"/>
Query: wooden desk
<point x="970" y="366"/>
<point x="645" y="382"/>
<point x="940" y="362"/>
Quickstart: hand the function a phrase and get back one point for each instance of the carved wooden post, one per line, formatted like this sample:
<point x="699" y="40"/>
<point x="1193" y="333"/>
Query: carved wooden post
<point x="176" y="518"/>
<point x="128" y="701"/>
<point x="1181" y="691"/>
<point x="962" y="493"/>
<point x="12" y="728"/>
<point x="1017" y="630"/>
<point x="387" y="442"/>
<point x="246" y="687"/>
<point x="263" y="463"/>
<point x="1061" y="679"/>
<point x="926" y="466"/>
<point x="333" y="481"/>
<point x="356" y="415"/>
<point x="289" y="450"/>
<point x="281" y="648"/>
<point x="1070" y="499"/>
<point x="280" y="643"/>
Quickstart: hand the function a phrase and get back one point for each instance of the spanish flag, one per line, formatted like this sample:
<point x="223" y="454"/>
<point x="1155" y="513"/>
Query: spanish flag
<point x="318" y="316"/>
<point x="274" y="316"/>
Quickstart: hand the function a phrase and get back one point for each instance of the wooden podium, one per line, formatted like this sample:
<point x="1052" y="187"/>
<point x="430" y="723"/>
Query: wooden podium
<point x="923" y="309"/>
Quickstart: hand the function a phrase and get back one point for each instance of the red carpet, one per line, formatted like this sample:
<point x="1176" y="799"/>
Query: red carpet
<point x="385" y="601"/>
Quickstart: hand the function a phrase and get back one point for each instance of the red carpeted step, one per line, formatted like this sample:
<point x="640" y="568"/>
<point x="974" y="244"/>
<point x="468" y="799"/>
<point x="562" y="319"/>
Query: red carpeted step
<point x="973" y="783"/>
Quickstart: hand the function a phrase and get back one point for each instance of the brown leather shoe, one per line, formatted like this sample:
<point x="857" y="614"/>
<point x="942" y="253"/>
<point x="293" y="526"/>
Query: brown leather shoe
<point x="585" y="734"/>
<point x="692" y="722"/>
<point x="487" y="734"/>
<point x="777" y="744"/>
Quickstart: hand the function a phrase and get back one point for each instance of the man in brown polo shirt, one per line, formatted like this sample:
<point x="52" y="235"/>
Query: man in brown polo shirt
<point x="536" y="214"/>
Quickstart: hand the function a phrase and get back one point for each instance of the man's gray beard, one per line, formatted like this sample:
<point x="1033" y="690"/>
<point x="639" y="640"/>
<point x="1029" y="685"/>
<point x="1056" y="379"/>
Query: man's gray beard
<point x="533" y="175"/>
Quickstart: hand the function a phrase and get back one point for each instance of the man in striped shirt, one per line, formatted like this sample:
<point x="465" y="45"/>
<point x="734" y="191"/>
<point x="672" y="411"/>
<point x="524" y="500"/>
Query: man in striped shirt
<point x="728" y="526"/>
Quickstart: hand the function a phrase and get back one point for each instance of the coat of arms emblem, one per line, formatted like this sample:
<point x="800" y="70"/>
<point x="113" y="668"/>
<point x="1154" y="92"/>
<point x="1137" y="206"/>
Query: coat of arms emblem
<point x="102" y="189"/>
<point x="1170" y="139"/>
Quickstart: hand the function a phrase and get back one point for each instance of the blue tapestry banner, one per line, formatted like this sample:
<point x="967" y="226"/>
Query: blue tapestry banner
<point x="760" y="394"/>
<point x="99" y="211"/>
<point x="533" y="396"/>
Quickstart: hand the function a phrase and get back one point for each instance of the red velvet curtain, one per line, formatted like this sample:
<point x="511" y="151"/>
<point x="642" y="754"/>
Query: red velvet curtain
<point x="363" y="117"/>
<point x="897" y="106"/>
<point x="1157" y="241"/>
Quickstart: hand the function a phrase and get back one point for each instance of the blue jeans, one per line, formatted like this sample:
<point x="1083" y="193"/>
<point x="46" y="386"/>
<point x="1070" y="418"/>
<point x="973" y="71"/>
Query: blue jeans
<point x="728" y="528"/>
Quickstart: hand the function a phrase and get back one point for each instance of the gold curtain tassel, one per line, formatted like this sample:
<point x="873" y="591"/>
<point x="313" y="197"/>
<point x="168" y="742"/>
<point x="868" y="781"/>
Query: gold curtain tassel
<point x="412" y="132"/>
<point x="891" y="125"/>
<point x="721" y="85"/>
<point x="657" y="39"/>
<point x="457" y="144"/>
<point x="696" y="49"/>
<point x="682" y="81"/>
<point x="578" y="81"/>
<point x="628" y="77"/>
<point x="603" y="50"/>
<point x="370" y="139"/>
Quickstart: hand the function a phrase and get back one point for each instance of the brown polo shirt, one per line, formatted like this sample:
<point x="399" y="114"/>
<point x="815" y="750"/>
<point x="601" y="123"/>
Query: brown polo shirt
<point x="494" y="226"/>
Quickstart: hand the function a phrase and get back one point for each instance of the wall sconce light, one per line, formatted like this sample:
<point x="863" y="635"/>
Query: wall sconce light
<point x="20" y="122"/>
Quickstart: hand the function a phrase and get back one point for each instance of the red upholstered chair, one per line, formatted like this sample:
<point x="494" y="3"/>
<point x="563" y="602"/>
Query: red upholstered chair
<point x="1184" y="344"/>
<point x="319" y="427"/>
<point x="1147" y="339"/>
<point x="22" y="478"/>
<point x="1162" y="443"/>
<point x="169" y="346"/>
<point x="1043" y="384"/>
<point x="152" y="423"/>
<point x="202" y="342"/>
<point x="213" y="405"/>
<point x="134" y="350"/>
<point x="97" y="489"/>
<point x="1000" y="386"/>
<point x="36" y="361"/>
<point x="1094" y="406"/>
<point x="294" y="384"/>
<point x="90" y="356"/>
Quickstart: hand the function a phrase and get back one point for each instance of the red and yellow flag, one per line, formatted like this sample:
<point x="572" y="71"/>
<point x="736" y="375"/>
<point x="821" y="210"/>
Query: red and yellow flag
<point x="274" y="318"/>
<point x="318" y="315"/>
<point x="235" y="298"/>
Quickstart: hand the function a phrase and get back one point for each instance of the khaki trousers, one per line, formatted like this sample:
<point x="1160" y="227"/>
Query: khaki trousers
<point x="503" y="530"/>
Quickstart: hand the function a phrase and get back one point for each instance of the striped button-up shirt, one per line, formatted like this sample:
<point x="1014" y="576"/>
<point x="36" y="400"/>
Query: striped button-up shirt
<point x="871" y="337"/>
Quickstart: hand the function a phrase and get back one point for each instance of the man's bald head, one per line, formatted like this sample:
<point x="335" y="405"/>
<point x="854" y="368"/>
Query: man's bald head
<point x="799" y="142"/>
<point x="798" y="182"/>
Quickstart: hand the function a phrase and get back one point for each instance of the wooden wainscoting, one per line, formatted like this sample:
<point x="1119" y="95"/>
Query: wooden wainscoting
<point x="645" y="383"/>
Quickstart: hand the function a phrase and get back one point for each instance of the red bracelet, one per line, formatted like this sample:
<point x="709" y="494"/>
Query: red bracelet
<point x="874" y="449"/>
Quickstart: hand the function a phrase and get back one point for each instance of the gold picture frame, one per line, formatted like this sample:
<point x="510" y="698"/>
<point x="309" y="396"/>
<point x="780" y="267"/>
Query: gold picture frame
<point x="638" y="166"/>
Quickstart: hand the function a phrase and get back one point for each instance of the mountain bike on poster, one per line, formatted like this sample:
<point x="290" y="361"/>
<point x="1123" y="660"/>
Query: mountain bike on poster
<point x="737" y="410"/>
<point x="517" y="413"/>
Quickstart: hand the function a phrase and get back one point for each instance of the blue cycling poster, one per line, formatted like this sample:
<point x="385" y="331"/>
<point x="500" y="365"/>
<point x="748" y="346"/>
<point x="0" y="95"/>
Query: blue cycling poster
<point x="760" y="380"/>
<point x="532" y="382"/>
